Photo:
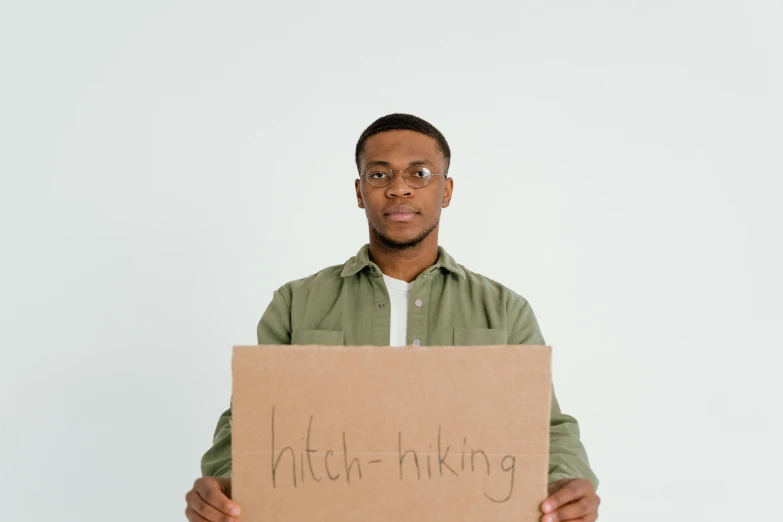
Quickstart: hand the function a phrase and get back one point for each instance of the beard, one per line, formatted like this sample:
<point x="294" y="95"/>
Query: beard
<point x="393" y="244"/>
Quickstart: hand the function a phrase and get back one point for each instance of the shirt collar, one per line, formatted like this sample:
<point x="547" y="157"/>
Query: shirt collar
<point x="362" y="260"/>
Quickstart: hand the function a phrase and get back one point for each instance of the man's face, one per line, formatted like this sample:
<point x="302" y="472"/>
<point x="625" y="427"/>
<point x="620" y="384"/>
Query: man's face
<point x="401" y="217"/>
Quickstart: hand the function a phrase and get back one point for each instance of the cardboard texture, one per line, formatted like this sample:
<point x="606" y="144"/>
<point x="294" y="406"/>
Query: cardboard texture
<point x="372" y="434"/>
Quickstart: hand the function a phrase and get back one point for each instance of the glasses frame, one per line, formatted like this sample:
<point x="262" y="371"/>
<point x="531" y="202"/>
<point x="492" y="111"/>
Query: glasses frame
<point x="404" y="177"/>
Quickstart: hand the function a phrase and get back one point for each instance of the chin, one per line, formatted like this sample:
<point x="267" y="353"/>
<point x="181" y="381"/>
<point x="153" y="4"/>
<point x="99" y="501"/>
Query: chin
<point x="397" y="241"/>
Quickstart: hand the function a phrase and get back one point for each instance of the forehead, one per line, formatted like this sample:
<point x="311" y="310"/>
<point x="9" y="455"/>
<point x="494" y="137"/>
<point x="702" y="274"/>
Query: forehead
<point x="400" y="145"/>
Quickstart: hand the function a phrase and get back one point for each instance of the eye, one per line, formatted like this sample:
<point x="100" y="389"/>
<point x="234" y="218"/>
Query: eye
<point x="420" y="173"/>
<point x="377" y="174"/>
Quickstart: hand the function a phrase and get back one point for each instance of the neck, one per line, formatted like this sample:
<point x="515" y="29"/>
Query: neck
<point x="406" y="264"/>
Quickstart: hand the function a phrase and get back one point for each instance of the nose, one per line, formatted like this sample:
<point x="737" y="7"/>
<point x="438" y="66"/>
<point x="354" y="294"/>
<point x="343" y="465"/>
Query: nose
<point x="398" y="188"/>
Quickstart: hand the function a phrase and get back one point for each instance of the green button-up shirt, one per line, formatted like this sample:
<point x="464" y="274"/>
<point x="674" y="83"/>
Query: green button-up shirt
<point x="449" y="305"/>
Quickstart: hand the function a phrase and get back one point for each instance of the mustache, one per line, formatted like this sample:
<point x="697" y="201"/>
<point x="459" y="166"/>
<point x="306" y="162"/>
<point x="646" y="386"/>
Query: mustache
<point x="401" y="209"/>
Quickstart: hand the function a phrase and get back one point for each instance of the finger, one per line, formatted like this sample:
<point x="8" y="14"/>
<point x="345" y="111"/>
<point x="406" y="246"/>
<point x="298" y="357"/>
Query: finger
<point x="593" y="515"/>
<point x="210" y="490"/>
<point x="585" y="508"/>
<point x="573" y="511"/>
<point x="571" y="491"/>
<point x="205" y="510"/>
<point x="193" y="516"/>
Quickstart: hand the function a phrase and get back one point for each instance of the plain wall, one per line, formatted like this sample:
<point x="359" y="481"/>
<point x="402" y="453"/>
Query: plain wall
<point x="167" y="165"/>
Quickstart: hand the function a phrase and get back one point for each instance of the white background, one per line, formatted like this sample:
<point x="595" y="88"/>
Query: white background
<point x="166" y="165"/>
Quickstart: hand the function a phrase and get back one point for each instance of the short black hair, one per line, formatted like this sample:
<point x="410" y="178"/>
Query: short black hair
<point x="398" y="121"/>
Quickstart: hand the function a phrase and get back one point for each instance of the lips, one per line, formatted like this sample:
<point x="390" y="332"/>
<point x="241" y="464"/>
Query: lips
<point x="400" y="213"/>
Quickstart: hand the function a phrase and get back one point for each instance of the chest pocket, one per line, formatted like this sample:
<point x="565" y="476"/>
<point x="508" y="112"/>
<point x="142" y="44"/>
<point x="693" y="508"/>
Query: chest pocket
<point x="323" y="337"/>
<point x="479" y="336"/>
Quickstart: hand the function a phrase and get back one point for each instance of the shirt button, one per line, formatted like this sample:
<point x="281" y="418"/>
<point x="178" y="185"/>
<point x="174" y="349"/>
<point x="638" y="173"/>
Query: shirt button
<point x="380" y="305"/>
<point x="418" y="302"/>
<point x="416" y="342"/>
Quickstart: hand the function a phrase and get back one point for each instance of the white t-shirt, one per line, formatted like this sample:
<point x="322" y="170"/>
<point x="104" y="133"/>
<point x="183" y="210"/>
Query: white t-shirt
<point x="399" y="291"/>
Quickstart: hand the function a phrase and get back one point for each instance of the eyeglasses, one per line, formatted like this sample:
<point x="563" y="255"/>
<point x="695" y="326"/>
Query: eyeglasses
<point x="414" y="177"/>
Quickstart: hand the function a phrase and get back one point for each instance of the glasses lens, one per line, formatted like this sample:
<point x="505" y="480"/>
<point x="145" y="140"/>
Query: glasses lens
<point x="418" y="177"/>
<point x="378" y="176"/>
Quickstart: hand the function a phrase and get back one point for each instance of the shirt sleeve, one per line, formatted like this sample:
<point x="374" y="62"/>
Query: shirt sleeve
<point x="567" y="454"/>
<point x="273" y="328"/>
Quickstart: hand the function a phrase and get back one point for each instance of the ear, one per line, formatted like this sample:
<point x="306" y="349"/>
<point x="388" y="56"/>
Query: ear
<point x="447" y="192"/>
<point x="359" y="193"/>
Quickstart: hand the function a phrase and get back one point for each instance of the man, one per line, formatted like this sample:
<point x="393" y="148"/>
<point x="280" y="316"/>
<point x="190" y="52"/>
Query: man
<point x="403" y="289"/>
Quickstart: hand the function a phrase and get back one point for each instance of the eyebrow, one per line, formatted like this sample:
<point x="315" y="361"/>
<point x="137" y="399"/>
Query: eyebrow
<point x="387" y="164"/>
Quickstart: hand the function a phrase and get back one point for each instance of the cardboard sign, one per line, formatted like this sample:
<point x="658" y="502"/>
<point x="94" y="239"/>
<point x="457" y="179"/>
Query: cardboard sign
<point x="372" y="434"/>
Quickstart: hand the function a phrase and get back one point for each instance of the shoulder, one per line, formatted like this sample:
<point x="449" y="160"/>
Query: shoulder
<point x="328" y="276"/>
<point x="486" y="289"/>
<point x="492" y="289"/>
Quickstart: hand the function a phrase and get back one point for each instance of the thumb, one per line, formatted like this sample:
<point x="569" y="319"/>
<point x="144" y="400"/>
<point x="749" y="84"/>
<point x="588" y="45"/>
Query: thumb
<point x="225" y="485"/>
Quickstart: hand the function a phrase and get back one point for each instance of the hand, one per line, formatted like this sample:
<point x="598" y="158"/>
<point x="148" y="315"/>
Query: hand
<point x="571" y="500"/>
<point x="210" y="501"/>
